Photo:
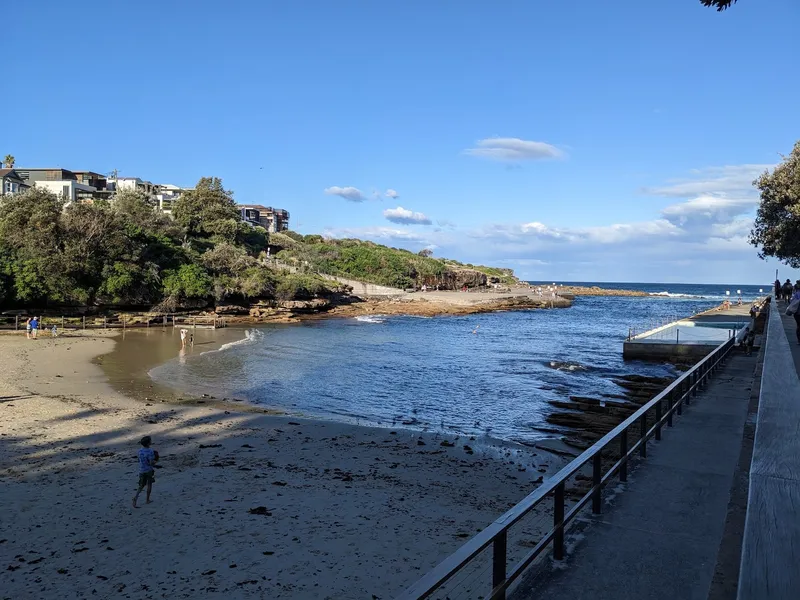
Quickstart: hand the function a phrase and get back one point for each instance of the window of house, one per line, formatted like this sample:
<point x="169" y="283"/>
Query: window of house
<point x="65" y="191"/>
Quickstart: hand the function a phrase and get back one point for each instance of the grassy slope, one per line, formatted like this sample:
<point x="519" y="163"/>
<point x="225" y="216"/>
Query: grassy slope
<point x="367" y="261"/>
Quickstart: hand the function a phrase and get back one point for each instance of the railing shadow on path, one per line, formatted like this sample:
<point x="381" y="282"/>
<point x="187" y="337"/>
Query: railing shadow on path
<point x="608" y="459"/>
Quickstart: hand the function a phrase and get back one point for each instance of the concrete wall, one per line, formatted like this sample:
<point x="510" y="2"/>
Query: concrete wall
<point x="65" y="188"/>
<point x="666" y="350"/>
<point x="366" y="290"/>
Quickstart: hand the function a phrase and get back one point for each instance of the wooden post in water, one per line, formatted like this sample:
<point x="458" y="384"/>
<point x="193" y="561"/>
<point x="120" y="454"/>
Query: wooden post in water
<point x="84" y="322"/>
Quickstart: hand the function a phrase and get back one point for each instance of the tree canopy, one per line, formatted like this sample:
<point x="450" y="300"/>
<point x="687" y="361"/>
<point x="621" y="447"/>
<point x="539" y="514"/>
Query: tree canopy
<point x="776" y="230"/>
<point x="125" y="252"/>
<point x="8" y="161"/>
<point x="720" y="5"/>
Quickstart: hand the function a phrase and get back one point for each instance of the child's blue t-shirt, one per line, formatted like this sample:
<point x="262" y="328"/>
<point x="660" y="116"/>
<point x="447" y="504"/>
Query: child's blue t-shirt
<point x="146" y="460"/>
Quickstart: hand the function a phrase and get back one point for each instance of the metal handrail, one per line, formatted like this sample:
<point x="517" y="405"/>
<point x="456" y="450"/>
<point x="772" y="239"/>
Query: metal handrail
<point x="665" y="404"/>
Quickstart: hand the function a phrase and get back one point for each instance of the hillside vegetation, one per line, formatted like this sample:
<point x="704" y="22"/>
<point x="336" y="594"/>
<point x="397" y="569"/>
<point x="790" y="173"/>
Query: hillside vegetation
<point x="382" y="265"/>
<point x="126" y="253"/>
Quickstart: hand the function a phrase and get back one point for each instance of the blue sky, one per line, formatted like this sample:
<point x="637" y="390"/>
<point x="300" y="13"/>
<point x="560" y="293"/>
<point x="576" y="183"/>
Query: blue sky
<point x="605" y="141"/>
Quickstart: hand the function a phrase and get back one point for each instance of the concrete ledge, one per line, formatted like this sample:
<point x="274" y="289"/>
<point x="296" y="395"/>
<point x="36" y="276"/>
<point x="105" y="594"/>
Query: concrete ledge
<point x="658" y="349"/>
<point x="771" y="547"/>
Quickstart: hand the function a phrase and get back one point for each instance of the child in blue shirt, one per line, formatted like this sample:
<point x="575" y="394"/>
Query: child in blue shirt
<point x="147" y="473"/>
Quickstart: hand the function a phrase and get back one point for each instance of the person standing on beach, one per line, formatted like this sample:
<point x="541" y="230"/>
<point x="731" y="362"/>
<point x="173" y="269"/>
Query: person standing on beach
<point x="28" y="328"/>
<point x="34" y="327"/>
<point x="147" y="473"/>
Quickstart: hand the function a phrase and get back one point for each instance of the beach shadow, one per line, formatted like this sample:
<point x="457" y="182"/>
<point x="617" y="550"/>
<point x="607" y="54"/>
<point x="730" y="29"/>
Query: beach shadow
<point x="11" y="398"/>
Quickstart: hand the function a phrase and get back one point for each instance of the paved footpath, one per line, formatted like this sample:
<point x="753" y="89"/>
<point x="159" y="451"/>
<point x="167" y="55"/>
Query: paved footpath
<point x="660" y="538"/>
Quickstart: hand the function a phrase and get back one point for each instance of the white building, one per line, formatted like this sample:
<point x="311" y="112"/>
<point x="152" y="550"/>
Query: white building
<point x="69" y="189"/>
<point x="167" y="196"/>
<point x="133" y="183"/>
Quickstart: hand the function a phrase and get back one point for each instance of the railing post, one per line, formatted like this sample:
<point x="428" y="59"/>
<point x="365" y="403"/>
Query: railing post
<point x="84" y="322"/>
<point x="681" y="394"/>
<point x="690" y="387"/>
<point x="16" y="323"/>
<point x="658" y="420"/>
<point x="670" y="406"/>
<point x="597" y="478"/>
<point x="643" y="436"/>
<point x="499" y="563"/>
<point x="558" y="522"/>
<point x="623" y="452"/>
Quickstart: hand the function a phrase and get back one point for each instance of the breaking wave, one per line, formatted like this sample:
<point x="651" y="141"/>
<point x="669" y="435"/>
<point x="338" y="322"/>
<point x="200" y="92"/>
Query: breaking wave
<point x="671" y="295"/>
<point x="251" y="336"/>
<point x="375" y="319"/>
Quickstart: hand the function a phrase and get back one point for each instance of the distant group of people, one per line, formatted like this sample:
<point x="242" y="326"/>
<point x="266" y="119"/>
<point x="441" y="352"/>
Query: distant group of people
<point x="791" y="295"/>
<point x="786" y="290"/>
<point x="32" y="326"/>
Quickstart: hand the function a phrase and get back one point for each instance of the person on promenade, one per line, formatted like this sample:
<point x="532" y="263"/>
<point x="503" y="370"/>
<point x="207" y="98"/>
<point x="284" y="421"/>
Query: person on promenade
<point x="787" y="290"/>
<point x="748" y="342"/>
<point x="777" y="290"/>
<point x="147" y="474"/>
<point x="28" y="328"/>
<point x="34" y="327"/>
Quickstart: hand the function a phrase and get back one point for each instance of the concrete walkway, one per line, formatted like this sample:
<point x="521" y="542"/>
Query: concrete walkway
<point x="660" y="538"/>
<point x="790" y="327"/>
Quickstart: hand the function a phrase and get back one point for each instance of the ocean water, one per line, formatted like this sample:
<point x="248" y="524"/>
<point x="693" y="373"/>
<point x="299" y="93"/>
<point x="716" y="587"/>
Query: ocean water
<point x="479" y="374"/>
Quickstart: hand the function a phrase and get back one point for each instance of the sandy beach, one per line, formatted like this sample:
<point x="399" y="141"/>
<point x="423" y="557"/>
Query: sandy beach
<point x="345" y="511"/>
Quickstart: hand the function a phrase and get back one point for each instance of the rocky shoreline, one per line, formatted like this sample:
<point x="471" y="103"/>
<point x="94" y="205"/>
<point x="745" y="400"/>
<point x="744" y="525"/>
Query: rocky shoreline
<point x="413" y="305"/>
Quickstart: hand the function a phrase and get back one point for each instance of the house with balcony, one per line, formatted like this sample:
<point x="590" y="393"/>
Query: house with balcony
<point x="271" y="219"/>
<point x="11" y="183"/>
<point x="62" y="182"/>
<point x="134" y="183"/>
<point x="167" y="196"/>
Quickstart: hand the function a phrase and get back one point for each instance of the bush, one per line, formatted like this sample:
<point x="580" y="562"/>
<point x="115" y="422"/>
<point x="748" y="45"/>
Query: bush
<point x="300" y="287"/>
<point x="189" y="281"/>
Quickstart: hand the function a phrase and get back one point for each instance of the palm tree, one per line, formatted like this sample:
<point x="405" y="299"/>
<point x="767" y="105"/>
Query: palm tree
<point x="718" y="4"/>
<point x="8" y="161"/>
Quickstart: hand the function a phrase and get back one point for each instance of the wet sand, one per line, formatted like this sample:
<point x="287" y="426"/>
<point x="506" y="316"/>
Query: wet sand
<point x="342" y="511"/>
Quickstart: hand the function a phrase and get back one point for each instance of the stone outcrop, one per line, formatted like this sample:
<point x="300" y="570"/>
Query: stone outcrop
<point x="455" y="279"/>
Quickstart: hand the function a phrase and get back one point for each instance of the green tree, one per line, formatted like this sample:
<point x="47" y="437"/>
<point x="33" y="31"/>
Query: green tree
<point x="776" y="230"/>
<point x="188" y="282"/>
<point x="9" y="161"/>
<point x="718" y="4"/>
<point x="207" y="210"/>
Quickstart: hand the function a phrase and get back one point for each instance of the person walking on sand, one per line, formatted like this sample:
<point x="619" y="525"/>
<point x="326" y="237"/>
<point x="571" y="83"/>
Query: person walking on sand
<point x="147" y="474"/>
<point x="34" y="327"/>
<point x="28" y="328"/>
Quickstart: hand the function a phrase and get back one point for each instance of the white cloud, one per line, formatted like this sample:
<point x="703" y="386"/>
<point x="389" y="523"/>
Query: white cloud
<point x="513" y="149"/>
<point x="390" y="193"/>
<point x="405" y="217"/>
<point x="348" y="193"/>
<point x="383" y="235"/>
<point x="734" y="180"/>
<point x="708" y="210"/>
<point x="702" y="234"/>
